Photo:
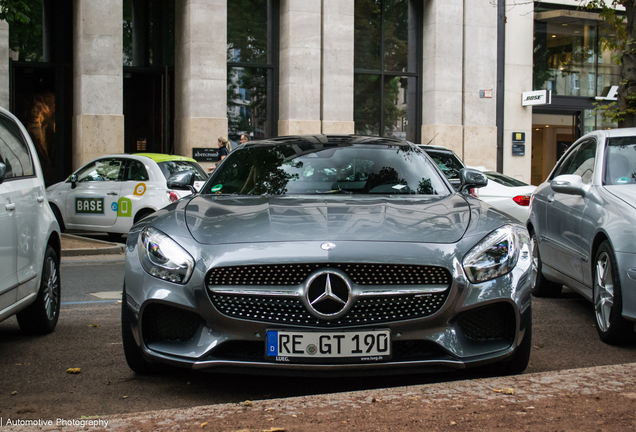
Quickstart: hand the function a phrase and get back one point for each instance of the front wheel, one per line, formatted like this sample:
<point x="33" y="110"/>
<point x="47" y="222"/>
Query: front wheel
<point x="608" y="299"/>
<point x="42" y="315"/>
<point x="541" y="287"/>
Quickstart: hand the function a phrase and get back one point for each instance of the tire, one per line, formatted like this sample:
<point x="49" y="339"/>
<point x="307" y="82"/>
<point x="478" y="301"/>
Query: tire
<point x="58" y="217"/>
<point x="520" y="359"/>
<point x="541" y="287"/>
<point x="608" y="299"/>
<point x="114" y="236"/>
<point x="134" y="356"/>
<point x="142" y="214"/>
<point x="41" y="316"/>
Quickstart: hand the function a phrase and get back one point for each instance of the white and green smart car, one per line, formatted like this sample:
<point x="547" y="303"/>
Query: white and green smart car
<point x="111" y="193"/>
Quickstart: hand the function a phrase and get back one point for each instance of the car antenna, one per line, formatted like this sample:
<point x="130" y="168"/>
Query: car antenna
<point x="429" y="143"/>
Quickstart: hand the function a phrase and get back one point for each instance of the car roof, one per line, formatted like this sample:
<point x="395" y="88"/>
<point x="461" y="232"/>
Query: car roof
<point x="161" y="157"/>
<point x="329" y="139"/>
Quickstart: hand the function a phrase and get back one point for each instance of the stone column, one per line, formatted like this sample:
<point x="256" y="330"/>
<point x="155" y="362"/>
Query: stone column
<point x="480" y="73"/>
<point x="98" y="121"/>
<point x="4" y="64"/>
<point x="337" y="66"/>
<point x="518" y="79"/>
<point x="300" y="67"/>
<point x="442" y="74"/>
<point x="200" y="74"/>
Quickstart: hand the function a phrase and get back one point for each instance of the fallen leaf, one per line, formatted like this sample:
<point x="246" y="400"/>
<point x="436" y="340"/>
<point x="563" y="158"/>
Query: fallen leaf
<point x="294" y="415"/>
<point x="93" y="325"/>
<point x="274" y="429"/>
<point x="14" y="393"/>
<point x="204" y="424"/>
<point x="125" y="397"/>
<point x="247" y="403"/>
<point x="73" y="370"/>
<point x="453" y="423"/>
<point x="507" y="391"/>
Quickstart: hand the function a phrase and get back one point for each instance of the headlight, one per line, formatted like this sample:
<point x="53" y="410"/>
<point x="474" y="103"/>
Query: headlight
<point x="163" y="258"/>
<point x="494" y="256"/>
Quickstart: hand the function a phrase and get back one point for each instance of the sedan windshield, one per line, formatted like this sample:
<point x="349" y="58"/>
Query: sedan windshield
<point x="620" y="161"/>
<point x="284" y="169"/>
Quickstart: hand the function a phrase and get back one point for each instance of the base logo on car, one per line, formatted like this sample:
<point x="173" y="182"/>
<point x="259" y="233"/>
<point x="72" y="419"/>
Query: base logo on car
<point x="85" y="205"/>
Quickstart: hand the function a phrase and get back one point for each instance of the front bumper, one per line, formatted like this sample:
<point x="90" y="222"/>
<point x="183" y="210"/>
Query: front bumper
<point x="223" y="343"/>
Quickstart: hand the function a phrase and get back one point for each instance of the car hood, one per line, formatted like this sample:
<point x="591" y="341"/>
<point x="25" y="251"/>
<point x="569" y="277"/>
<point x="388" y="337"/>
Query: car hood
<point x="626" y="193"/>
<point x="216" y="220"/>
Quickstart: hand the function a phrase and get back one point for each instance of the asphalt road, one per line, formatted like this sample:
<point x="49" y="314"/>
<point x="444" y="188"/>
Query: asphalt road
<point x="88" y="337"/>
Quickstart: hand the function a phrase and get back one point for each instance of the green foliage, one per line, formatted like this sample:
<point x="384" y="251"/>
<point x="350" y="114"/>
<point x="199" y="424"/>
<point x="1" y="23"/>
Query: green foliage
<point x="15" y="11"/>
<point x="25" y="35"/>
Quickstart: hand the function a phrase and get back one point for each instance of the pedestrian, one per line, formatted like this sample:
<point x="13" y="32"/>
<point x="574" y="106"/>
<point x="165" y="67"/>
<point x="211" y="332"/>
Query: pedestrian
<point x="244" y="138"/>
<point x="224" y="149"/>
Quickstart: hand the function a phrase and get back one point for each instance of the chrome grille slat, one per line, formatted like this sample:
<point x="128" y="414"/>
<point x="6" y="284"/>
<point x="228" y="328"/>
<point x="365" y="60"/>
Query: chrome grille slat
<point x="371" y="310"/>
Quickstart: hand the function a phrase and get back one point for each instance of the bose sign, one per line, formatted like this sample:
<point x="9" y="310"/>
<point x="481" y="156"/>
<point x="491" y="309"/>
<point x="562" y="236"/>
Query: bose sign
<point x="539" y="97"/>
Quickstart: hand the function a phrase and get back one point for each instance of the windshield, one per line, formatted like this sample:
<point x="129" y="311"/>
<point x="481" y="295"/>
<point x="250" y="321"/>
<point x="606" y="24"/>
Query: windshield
<point x="504" y="179"/>
<point x="620" y="161"/>
<point x="284" y="169"/>
<point x="173" y="167"/>
<point x="449" y="163"/>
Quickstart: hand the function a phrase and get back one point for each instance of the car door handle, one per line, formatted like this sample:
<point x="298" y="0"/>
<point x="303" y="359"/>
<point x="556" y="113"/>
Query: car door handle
<point x="112" y="193"/>
<point x="550" y="197"/>
<point x="10" y="206"/>
<point x="40" y="199"/>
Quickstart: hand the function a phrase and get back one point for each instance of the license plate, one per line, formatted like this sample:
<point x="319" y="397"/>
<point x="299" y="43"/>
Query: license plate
<point x="287" y="346"/>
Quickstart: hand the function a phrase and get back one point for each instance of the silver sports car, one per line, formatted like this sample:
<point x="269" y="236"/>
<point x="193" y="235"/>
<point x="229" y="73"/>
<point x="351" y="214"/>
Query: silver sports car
<point x="582" y="222"/>
<point x="328" y="255"/>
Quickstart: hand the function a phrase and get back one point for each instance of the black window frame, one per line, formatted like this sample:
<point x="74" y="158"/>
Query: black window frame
<point x="272" y="67"/>
<point x="382" y="72"/>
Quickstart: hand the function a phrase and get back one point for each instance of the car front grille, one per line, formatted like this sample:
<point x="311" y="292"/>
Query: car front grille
<point x="161" y="323"/>
<point x="492" y="322"/>
<point x="290" y="310"/>
<point x="360" y="274"/>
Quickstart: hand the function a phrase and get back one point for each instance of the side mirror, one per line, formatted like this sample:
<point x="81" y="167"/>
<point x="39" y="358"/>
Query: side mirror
<point x="73" y="179"/>
<point x="183" y="180"/>
<point x="471" y="178"/>
<point x="568" y="184"/>
<point x="3" y="172"/>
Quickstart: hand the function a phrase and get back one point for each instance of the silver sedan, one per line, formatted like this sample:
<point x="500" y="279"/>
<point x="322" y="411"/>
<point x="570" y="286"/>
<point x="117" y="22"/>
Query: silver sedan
<point x="328" y="255"/>
<point x="583" y="229"/>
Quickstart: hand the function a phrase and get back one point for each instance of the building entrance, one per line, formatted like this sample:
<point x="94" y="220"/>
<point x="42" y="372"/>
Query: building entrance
<point x="552" y="135"/>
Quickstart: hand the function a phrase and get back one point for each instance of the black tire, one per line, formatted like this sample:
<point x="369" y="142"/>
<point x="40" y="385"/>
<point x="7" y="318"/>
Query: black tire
<point x="608" y="299"/>
<point x="541" y="287"/>
<point x="114" y="236"/>
<point x="142" y="214"/>
<point x="41" y="316"/>
<point x="58" y="217"/>
<point x="520" y="359"/>
<point x="134" y="356"/>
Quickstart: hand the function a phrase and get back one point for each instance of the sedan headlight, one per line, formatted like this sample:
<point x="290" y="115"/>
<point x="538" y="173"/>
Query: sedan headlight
<point x="494" y="256"/>
<point x="163" y="258"/>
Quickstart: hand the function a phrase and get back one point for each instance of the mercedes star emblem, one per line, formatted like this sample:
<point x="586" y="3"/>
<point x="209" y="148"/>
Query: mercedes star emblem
<point x="327" y="246"/>
<point x="328" y="294"/>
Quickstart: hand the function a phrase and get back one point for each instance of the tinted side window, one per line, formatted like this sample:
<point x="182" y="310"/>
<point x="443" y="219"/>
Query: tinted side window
<point x="101" y="170"/>
<point x="565" y="162"/>
<point x="14" y="151"/>
<point x="136" y="171"/>
<point x="583" y="163"/>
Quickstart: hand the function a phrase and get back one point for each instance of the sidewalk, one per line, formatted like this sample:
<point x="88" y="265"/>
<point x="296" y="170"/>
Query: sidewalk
<point x="74" y="245"/>
<point x="589" y="399"/>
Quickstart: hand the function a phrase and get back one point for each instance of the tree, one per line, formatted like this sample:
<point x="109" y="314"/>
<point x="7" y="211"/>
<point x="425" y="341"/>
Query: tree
<point x="14" y="11"/>
<point x="623" y="111"/>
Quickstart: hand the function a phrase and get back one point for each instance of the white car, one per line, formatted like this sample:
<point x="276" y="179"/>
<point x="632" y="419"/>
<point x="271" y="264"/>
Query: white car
<point x="29" y="235"/>
<point x="507" y="194"/>
<point x="111" y="193"/>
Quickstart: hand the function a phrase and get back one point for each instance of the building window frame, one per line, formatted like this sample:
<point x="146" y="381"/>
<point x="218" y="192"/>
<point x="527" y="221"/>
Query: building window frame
<point x="382" y="73"/>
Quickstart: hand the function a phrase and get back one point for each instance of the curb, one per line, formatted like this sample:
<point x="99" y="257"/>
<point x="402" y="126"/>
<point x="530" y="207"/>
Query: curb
<point x="109" y="248"/>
